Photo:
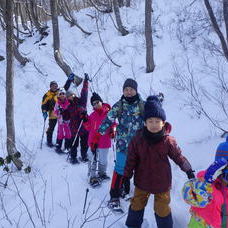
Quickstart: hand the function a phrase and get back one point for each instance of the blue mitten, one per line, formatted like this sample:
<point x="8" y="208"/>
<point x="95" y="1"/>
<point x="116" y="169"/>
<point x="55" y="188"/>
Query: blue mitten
<point x="71" y="77"/>
<point x="215" y="169"/>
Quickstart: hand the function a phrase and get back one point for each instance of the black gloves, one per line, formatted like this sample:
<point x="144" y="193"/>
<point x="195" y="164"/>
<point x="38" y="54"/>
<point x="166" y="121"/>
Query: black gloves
<point x="84" y="116"/>
<point x="86" y="76"/>
<point x="190" y="174"/>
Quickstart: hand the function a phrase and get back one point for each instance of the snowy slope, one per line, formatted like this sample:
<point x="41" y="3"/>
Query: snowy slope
<point x="58" y="186"/>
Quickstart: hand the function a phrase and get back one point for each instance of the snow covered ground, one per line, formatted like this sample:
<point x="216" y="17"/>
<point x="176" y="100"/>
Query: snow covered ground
<point x="53" y="194"/>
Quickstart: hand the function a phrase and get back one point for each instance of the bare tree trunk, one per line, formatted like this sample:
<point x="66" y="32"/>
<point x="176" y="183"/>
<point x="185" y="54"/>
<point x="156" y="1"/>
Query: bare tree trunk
<point x="149" y="39"/>
<point x="11" y="146"/>
<point x="68" y="15"/>
<point x="225" y="13"/>
<point x="121" y="28"/>
<point x="21" y="59"/>
<point x="216" y="28"/>
<point x="120" y="3"/>
<point x="56" y="42"/>
<point x="128" y="3"/>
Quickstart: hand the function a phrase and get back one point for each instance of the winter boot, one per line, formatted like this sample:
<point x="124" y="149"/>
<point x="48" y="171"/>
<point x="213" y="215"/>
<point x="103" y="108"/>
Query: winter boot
<point x="74" y="160"/>
<point x="134" y="218"/>
<point x="114" y="205"/>
<point x="164" y="222"/>
<point x="49" y="140"/>
<point x="58" y="146"/>
<point x="103" y="177"/>
<point x="67" y="145"/>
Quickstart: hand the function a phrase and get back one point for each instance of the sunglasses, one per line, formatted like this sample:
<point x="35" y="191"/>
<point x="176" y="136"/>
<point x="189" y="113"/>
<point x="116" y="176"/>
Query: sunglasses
<point x="61" y="94"/>
<point x="95" y="103"/>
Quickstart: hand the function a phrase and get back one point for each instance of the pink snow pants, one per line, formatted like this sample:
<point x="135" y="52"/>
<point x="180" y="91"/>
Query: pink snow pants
<point x="63" y="131"/>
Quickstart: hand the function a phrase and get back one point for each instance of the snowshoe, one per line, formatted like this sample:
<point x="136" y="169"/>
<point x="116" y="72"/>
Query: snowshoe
<point x="84" y="160"/>
<point x="94" y="182"/>
<point x="103" y="177"/>
<point x="58" y="150"/>
<point x="114" y="205"/>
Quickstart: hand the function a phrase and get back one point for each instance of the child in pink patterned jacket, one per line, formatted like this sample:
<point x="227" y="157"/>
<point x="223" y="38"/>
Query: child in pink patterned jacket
<point x="63" y="117"/>
<point x="214" y="214"/>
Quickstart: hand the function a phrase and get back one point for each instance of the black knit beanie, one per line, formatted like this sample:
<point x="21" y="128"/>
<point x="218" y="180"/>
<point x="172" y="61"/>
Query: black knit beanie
<point x="130" y="83"/>
<point x="53" y="83"/>
<point x="95" y="97"/>
<point x="153" y="108"/>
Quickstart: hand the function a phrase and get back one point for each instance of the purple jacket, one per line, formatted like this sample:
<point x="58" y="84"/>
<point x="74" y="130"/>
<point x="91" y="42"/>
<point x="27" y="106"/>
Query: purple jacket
<point x="150" y="163"/>
<point x="75" y="108"/>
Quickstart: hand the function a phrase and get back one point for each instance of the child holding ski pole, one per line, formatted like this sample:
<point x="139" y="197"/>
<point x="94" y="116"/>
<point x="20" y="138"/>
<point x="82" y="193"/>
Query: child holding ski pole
<point x="98" y="145"/>
<point x="63" y="118"/>
<point x="148" y="158"/>
<point x="209" y="206"/>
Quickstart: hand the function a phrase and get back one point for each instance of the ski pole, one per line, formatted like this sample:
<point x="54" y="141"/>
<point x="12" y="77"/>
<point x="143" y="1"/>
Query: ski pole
<point x="114" y="151"/>
<point x="41" y="144"/>
<point x="80" y="125"/>
<point x="87" y="190"/>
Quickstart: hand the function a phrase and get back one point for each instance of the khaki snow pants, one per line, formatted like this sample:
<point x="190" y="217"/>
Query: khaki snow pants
<point x="161" y="202"/>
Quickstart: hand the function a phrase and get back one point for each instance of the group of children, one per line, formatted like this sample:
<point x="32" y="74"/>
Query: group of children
<point x="143" y="149"/>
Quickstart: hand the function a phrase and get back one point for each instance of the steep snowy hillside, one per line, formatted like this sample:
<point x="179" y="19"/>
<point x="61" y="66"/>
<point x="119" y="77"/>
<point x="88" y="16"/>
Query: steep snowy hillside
<point x="53" y="194"/>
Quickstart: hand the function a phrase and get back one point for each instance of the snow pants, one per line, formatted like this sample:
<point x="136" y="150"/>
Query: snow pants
<point x="161" y="209"/>
<point x="97" y="162"/>
<point x="119" y="185"/>
<point x="63" y="131"/>
<point x="83" y="139"/>
<point x="50" y="130"/>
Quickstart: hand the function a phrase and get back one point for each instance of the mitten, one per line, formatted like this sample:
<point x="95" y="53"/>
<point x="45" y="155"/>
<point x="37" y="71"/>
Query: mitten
<point x="95" y="141"/>
<point x="45" y="115"/>
<point x="71" y="77"/>
<point x="215" y="169"/>
<point x="86" y="77"/>
<point x="190" y="174"/>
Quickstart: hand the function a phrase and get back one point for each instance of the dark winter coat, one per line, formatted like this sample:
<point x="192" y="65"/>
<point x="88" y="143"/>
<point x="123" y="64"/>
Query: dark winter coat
<point x="76" y="107"/>
<point x="150" y="162"/>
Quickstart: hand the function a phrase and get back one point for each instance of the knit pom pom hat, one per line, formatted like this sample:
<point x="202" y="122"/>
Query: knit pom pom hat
<point x="153" y="108"/>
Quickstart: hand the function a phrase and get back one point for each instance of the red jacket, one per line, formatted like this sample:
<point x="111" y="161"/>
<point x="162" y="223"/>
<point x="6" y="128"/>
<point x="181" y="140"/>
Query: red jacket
<point x="150" y="162"/>
<point x="94" y="121"/>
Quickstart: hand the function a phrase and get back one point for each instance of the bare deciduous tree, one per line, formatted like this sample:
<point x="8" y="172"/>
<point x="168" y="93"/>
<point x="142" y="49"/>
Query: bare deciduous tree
<point x="121" y="28"/>
<point x="56" y="42"/>
<point x="11" y="146"/>
<point x="149" y="39"/>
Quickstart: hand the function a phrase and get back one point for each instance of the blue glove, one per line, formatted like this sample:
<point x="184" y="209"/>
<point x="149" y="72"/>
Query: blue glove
<point x="71" y="77"/>
<point x="45" y="115"/>
<point x="215" y="169"/>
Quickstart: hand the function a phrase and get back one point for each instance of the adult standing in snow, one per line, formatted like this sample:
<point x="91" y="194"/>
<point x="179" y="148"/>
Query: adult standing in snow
<point x="148" y="158"/>
<point x="76" y="109"/>
<point x="129" y="112"/>
<point x="47" y="107"/>
<point x="98" y="145"/>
